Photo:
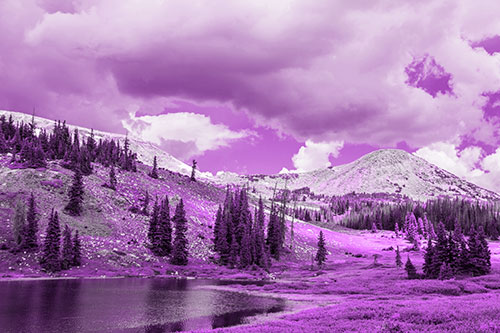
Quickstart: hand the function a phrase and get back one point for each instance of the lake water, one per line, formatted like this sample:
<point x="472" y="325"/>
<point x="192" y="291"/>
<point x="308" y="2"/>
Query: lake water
<point x="124" y="305"/>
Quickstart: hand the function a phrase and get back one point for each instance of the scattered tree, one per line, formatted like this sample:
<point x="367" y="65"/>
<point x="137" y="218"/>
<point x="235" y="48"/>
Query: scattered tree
<point x="410" y="269"/>
<point x="321" y="253"/>
<point x="74" y="206"/>
<point x="154" y="172"/>
<point x="193" y="170"/>
<point x="399" y="262"/>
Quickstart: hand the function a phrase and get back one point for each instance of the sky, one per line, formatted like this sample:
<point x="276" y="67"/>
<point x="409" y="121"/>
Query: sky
<point x="266" y="86"/>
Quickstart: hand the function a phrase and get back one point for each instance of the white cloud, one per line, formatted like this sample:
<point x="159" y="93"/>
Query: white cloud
<point x="183" y="134"/>
<point x="468" y="163"/>
<point x="315" y="155"/>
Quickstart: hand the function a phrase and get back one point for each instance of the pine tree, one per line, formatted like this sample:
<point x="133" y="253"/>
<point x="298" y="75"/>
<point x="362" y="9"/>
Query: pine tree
<point x="399" y="262"/>
<point x="217" y="228"/>
<point x="19" y="224"/>
<point x="233" y="252"/>
<point x="374" y="227"/>
<point x="180" y="252"/>
<point x="246" y="246"/>
<point x="445" y="271"/>
<point x="145" y="204"/>
<point x="396" y="229"/>
<point x="274" y="234"/>
<point x="441" y="250"/>
<point x="193" y="170"/>
<point x="153" y="225"/>
<point x="260" y="247"/>
<point x="429" y="267"/>
<point x="321" y="253"/>
<point x="222" y="245"/>
<point x="112" y="178"/>
<point x="74" y="206"/>
<point x="51" y="248"/>
<point x="163" y="238"/>
<point x="77" y="256"/>
<point x="479" y="257"/>
<point x="411" y="231"/>
<point x="67" y="250"/>
<point x="410" y="269"/>
<point x="154" y="172"/>
<point x="30" y="236"/>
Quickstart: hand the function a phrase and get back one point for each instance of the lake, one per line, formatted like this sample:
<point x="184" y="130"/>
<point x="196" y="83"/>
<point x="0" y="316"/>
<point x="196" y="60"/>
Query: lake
<point x="124" y="305"/>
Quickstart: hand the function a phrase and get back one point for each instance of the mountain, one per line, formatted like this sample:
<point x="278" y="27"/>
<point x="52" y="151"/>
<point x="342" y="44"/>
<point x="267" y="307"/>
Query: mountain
<point x="381" y="171"/>
<point x="145" y="150"/>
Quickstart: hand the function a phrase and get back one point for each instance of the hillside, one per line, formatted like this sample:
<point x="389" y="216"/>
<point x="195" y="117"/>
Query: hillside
<point x="145" y="150"/>
<point x="381" y="171"/>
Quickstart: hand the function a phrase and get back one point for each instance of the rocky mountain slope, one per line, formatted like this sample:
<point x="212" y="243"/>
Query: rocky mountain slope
<point x="381" y="171"/>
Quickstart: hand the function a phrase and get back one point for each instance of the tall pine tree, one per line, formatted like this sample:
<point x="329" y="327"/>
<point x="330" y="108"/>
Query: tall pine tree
<point x="50" y="260"/>
<point x="154" y="172"/>
<point x="180" y="251"/>
<point x="30" y="236"/>
<point x="321" y="253"/>
<point x="77" y="254"/>
<point x="74" y="206"/>
<point x="67" y="250"/>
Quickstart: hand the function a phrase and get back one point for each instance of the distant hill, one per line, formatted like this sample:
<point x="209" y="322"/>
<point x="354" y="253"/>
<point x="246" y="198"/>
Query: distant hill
<point x="381" y="171"/>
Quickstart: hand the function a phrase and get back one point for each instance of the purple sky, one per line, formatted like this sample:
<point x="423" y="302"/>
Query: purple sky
<point x="257" y="86"/>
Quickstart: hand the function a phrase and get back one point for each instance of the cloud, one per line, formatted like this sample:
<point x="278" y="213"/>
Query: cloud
<point x="325" y="71"/>
<point x="182" y="134"/>
<point x="315" y="155"/>
<point x="469" y="163"/>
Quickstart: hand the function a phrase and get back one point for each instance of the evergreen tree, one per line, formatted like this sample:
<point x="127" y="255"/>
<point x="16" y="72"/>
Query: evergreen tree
<point x="396" y="229"/>
<point x="153" y="225"/>
<point x="441" y="250"/>
<point x="19" y="224"/>
<point x="321" y="253"/>
<point x="74" y="206"/>
<point x="479" y="255"/>
<point x="246" y="245"/>
<point x="50" y="260"/>
<point x="445" y="271"/>
<point x="274" y="234"/>
<point x="67" y="250"/>
<point x="222" y="245"/>
<point x="163" y="239"/>
<point x="112" y="178"/>
<point x="429" y="267"/>
<point x="374" y="227"/>
<point x="399" y="262"/>
<point x="145" y="204"/>
<point x="77" y="256"/>
<point x="260" y="249"/>
<point x="217" y="228"/>
<point x="410" y="269"/>
<point x="233" y="252"/>
<point x="154" y="172"/>
<point x="30" y="236"/>
<point x="180" y="252"/>
<point x="193" y="170"/>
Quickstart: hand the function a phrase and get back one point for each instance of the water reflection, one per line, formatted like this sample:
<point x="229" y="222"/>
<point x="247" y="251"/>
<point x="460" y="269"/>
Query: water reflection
<point x="124" y="305"/>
